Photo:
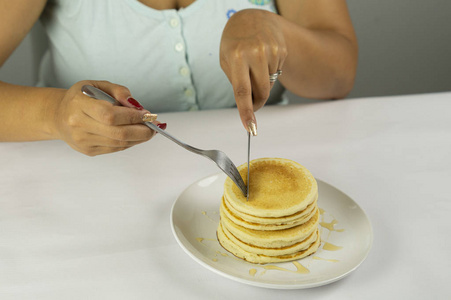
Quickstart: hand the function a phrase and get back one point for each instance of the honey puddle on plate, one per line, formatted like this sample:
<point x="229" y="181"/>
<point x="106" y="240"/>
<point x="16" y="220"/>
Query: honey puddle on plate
<point x="200" y="240"/>
<point x="329" y="260"/>
<point x="300" y="269"/>
<point x="328" y="225"/>
<point x="331" y="247"/>
<point x="206" y="215"/>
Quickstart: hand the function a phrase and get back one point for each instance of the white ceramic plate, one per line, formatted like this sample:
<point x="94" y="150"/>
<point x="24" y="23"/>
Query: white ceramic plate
<point x="346" y="239"/>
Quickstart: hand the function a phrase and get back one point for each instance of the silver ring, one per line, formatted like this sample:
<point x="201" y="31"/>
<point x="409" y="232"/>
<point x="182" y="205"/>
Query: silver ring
<point x="273" y="76"/>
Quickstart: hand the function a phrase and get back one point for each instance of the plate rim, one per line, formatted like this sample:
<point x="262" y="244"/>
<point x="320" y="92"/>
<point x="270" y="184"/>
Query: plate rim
<point x="263" y="284"/>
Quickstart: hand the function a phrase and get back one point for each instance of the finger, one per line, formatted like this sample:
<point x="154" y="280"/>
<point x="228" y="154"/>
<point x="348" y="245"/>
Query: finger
<point x="120" y="93"/>
<point x="107" y="114"/>
<point x="260" y="84"/>
<point x="242" y="89"/>
<point x="279" y="55"/>
<point x="92" y="149"/>
<point x="161" y="125"/>
<point x="83" y="123"/>
<point x="93" y="140"/>
<point x="125" y="133"/>
<point x="93" y="144"/>
<point x="97" y="150"/>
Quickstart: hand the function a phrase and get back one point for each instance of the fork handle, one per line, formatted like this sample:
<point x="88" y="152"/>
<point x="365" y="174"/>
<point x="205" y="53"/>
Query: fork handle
<point x="98" y="94"/>
<point x="172" y="138"/>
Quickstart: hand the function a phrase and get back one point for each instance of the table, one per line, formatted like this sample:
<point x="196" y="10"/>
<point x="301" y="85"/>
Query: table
<point x="78" y="227"/>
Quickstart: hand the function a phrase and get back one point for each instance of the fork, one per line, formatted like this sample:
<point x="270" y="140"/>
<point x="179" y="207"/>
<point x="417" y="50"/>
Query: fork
<point x="219" y="157"/>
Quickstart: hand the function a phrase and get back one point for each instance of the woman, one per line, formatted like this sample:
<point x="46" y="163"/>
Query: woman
<point x="172" y="55"/>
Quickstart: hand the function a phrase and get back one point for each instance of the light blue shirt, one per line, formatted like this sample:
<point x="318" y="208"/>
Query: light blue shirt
<point x="169" y="59"/>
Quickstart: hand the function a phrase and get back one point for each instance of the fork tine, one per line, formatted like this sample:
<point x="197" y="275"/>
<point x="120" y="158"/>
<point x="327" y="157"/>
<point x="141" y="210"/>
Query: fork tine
<point x="235" y="171"/>
<point x="237" y="174"/>
<point x="240" y="185"/>
<point x="238" y="179"/>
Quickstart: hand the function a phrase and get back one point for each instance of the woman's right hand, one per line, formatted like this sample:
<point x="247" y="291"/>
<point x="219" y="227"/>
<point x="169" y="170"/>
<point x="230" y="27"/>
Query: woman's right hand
<point x="95" y="127"/>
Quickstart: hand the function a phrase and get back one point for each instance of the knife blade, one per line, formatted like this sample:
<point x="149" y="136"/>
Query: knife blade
<point x="248" y="165"/>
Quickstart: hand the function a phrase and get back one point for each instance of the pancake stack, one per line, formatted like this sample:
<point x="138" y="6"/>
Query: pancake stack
<point x="279" y="222"/>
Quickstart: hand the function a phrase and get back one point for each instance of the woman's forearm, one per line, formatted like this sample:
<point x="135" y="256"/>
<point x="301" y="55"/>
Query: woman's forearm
<point x="28" y="113"/>
<point x="320" y="63"/>
<point x="88" y="126"/>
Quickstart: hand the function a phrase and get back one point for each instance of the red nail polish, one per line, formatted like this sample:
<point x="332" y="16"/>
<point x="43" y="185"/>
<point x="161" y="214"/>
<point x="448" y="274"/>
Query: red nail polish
<point x="162" y="126"/>
<point x="135" y="103"/>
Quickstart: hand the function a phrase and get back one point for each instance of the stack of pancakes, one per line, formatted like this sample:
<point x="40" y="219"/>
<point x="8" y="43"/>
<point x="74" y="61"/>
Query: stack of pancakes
<point x="280" y="220"/>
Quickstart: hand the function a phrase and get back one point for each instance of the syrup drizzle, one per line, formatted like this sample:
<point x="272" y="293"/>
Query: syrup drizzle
<point x="331" y="226"/>
<point x="201" y="240"/>
<point x="331" y="247"/>
<point x="206" y="214"/>
<point x="300" y="269"/>
<point x="325" y="259"/>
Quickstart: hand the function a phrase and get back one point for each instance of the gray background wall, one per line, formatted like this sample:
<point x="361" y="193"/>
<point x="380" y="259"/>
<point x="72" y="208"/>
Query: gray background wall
<point x="405" y="48"/>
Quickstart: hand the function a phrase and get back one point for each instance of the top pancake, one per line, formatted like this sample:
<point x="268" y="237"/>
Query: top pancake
<point x="278" y="187"/>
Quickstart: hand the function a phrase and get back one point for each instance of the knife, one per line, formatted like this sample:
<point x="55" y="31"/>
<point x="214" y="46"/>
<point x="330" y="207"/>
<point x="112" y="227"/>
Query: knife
<point x="248" y="165"/>
<point x="252" y="130"/>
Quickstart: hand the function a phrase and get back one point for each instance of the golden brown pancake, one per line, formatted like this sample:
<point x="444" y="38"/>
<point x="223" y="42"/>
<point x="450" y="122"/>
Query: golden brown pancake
<point x="278" y="187"/>
<point x="264" y="259"/>
<point x="302" y="245"/>
<point x="267" y="223"/>
<point x="280" y="220"/>
<point x="272" y="238"/>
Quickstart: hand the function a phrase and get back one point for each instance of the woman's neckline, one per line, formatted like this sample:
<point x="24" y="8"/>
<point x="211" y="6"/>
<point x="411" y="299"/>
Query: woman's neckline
<point x="160" y="13"/>
<point x="168" y="8"/>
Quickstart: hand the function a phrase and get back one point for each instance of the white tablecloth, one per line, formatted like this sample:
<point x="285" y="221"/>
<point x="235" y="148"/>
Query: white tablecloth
<point x="78" y="227"/>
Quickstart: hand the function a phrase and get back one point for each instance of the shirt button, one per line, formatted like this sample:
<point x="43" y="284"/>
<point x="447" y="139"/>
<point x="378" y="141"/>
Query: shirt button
<point x="174" y="22"/>
<point x="179" y="47"/>
<point x="189" y="93"/>
<point x="184" y="71"/>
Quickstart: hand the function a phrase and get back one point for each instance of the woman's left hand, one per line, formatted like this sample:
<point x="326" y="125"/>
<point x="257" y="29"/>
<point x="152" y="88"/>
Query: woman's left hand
<point x="252" y="47"/>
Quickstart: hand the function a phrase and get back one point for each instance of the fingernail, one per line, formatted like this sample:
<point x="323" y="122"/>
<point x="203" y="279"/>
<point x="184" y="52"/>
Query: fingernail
<point x="162" y="125"/>
<point x="149" y="117"/>
<point x="252" y="128"/>
<point x="135" y="103"/>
